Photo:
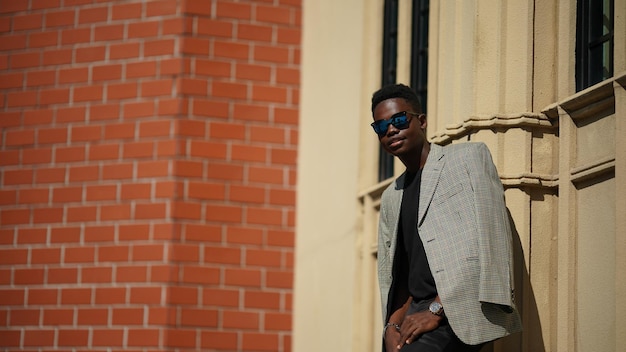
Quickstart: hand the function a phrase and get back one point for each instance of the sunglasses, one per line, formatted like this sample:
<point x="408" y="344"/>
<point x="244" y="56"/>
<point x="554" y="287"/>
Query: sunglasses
<point x="399" y="120"/>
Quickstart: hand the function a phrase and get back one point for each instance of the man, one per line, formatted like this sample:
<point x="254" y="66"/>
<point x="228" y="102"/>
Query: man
<point x="444" y="242"/>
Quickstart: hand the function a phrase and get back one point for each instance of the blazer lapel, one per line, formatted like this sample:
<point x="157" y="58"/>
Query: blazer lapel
<point x="430" y="179"/>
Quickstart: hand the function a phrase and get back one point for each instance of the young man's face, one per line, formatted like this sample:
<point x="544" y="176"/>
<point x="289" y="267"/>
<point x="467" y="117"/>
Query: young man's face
<point x="396" y="141"/>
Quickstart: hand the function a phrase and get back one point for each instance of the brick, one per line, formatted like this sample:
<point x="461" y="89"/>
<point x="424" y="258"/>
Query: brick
<point x="224" y="213"/>
<point x="118" y="171"/>
<point x="191" y="128"/>
<point x="70" y="114"/>
<point x="185" y="168"/>
<point x="282" y="197"/>
<point x="28" y="21"/>
<point x="58" y="316"/>
<point x="267" y="134"/>
<point x="143" y="29"/>
<point x="136" y="191"/>
<point x="262" y="300"/>
<point x="146" y="295"/>
<point x="148" y="252"/>
<point x="124" y="50"/>
<point x="288" y="76"/>
<point x="269" y="94"/>
<point x="204" y="233"/>
<point x="229" y="90"/>
<point x="102" y="275"/>
<point x="210" y="108"/>
<point x="115" y="212"/>
<point x="219" y="340"/>
<point x="52" y="135"/>
<point x="10" y="6"/>
<point x="86" y="133"/>
<point x="106" y="72"/>
<point x="214" y="28"/>
<point x="289" y="35"/>
<point x="33" y="196"/>
<point x="206" y="190"/>
<point x="120" y="11"/>
<point x="141" y="69"/>
<point x="200" y="275"/>
<point x="105" y="33"/>
<point x="73" y="337"/>
<point x="31" y="236"/>
<point x="53" y="57"/>
<point x="196" y="7"/>
<point x="54" y="96"/>
<point x="93" y="15"/>
<point x="38" y="117"/>
<point x="253" y="72"/>
<point x="83" y="173"/>
<point x="138" y="109"/>
<point x="195" y="46"/>
<point x="246" y="194"/>
<point x="264" y="216"/>
<point x="79" y="255"/>
<point x="21" y="99"/>
<point x="44" y="4"/>
<point x="143" y="337"/>
<point x="26" y="60"/>
<point x="99" y="233"/>
<point x="70" y="234"/>
<point x="225" y="171"/>
<point x="13" y="42"/>
<point x="188" y="86"/>
<point x="47" y="215"/>
<point x="161" y="8"/>
<point x="119" y="131"/>
<point x="121" y="90"/>
<point x="67" y="194"/>
<point x="270" y="175"/>
<point x="150" y="211"/>
<point x="155" y="128"/>
<point x="127" y="316"/>
<point x="62" y="276"/>
<point x="110" y="295"/>
<point x="131" y="274"/>
<point x="11" y="80"/>
<point x="279" y="279"/>
<point x="233" y="10"/>
<point x="230" y="131"/>
<point x="199" y="317"/>
<point x="8" y="197"/>
<point x="107" y="337"/>
<point x="13" y="256"/>
<point x="76" y="296"/>
<point x="182" y="295"/>
<point x="59" y="18"/>
<point x="102" y="112"/>
<point x="159" y="47"/>
<point x="231" y="50"/>
<point x="212" y="68"/>
<point x="27" y="277"/>
<point x="9" y="157"/>
<point x="104" y="152"/>
<point x="20" y="137"/>
<point x="39" y="337"/>
<point x="43" y="39"/>
<point x="90" y="54"/>
<point x="69" y="154"/>
<point x="92" y="316"/>
<point x="17" y="177"/>
<point x="134" y="150"/>
<point x="40" y="78"/>
<point x="81" y="214"/>
<point x="152" y="168"/>
<point x="75" y="36"/>
<point x="42" y="296"/>
<point x="273" y="14"/>
<point x="260" y="341"/>
<point x="156" y="88"/>
<point x="260" y="33"/>
<point x="45" y="255"/>
<point x="283" y="156"/>
<point x="247" y="152"/>
<point x="88" y="94"/>
<point x="240" y="320"/>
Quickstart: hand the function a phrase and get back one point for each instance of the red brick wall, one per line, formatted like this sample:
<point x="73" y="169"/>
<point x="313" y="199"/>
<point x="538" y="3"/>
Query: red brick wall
<point x="147" y="169"/>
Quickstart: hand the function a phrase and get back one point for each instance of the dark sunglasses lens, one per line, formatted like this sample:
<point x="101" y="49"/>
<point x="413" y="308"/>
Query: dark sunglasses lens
<point x="400" y="122"/>
<point x="381" y="126"/>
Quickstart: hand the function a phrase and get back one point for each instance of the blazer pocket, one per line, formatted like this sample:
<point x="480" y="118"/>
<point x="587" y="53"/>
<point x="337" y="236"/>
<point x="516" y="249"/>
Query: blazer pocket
<point x="448" y="193"/>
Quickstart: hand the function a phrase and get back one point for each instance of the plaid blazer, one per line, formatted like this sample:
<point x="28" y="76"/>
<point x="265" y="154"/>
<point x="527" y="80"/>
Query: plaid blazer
<point x="465" y="229"/>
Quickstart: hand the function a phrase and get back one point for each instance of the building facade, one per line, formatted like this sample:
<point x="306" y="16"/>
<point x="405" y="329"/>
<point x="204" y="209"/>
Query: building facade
<point x="542" y="83"/>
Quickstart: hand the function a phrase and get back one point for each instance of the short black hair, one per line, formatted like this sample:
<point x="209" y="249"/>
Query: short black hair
<point x="397" y="91"/>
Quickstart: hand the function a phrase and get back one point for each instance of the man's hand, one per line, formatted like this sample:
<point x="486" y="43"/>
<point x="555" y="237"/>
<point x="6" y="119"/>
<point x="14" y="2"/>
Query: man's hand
<point x="415" y="325"/>
<point x="392" y="339"/>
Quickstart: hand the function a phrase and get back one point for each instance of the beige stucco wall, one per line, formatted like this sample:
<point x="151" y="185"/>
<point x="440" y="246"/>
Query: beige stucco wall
<point x="505" y="76"/>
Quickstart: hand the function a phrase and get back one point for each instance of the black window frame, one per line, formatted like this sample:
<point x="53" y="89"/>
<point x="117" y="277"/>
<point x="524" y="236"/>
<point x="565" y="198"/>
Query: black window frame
<point x="590" y="19"/>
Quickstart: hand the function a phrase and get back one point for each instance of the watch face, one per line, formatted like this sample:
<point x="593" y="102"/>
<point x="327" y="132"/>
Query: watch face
<point x="435" y="308"/>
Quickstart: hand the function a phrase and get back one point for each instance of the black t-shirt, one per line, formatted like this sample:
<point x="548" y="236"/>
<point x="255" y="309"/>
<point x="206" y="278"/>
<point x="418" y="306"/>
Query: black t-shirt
<point x="420" y="281"/>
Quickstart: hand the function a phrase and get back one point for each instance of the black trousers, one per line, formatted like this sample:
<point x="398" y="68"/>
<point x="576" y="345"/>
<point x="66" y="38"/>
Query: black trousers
<point x="441" y="339"/>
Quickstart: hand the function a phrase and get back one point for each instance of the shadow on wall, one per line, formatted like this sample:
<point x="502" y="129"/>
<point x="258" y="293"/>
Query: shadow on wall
<point x="531" y="338"/>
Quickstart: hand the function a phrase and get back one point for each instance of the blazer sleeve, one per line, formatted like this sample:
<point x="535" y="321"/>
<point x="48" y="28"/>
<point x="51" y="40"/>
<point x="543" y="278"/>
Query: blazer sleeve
<point x="495" y="251"/>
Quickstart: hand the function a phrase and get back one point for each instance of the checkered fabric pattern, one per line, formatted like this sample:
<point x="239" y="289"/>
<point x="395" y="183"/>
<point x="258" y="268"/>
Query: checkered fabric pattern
<point x="465" y="229"/>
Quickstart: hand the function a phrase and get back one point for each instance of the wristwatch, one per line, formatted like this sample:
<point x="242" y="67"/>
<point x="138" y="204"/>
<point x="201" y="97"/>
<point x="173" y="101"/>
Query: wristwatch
<point x="436" y="308"/>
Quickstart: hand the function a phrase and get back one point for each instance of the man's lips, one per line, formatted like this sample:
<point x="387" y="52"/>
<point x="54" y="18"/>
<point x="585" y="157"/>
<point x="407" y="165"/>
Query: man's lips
<point x="395" y="142"/>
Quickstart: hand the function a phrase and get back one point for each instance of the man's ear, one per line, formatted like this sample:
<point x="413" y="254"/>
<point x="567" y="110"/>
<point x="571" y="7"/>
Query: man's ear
<point x="423" y="122"/>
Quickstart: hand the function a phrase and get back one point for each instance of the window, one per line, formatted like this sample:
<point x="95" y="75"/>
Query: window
<point x="594" y="42"/>
<point x="419" y="61"/>
<point x="390" y="60"/>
